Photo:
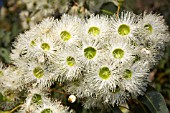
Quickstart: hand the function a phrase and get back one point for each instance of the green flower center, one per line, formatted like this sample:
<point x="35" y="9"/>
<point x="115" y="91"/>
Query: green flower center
<point x="124" y="29"/>
<point x="148" y="27"/>
<point x="65" y="35"/>
<point x="70" y="61"/>
<point x="90" y="52"/>
<point x="94" y="31"/>
<point x="47" y="111"/>
<point x="127" y="73"/>
<point x="45" y="46"/>
<point x="36" y="99"/>
<point x="104" y="73"/>
<point x="118" y="53"/>
<point x="1" y="73"/>
<point x="38" y="72"/>
<point x="32" y="43"/>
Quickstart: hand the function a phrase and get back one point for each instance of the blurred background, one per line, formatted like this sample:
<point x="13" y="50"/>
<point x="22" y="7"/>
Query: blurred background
<point x="16" y="16"/>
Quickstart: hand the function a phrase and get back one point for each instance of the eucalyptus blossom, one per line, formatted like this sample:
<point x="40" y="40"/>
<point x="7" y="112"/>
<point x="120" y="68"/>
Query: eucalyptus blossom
<point x="100" y="60"/>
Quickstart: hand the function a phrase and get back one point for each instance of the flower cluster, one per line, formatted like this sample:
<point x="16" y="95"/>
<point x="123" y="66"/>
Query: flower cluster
<point x="104" y="60"/>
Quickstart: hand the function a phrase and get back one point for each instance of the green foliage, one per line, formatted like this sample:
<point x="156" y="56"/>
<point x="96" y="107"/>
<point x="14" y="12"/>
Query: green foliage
<point x="154" y="101"/>
<point x="108" y="9"/>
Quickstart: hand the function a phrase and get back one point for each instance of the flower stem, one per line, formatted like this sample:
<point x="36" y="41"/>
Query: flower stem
<point x="15" y="108"/>
<point x="118" y="10"/>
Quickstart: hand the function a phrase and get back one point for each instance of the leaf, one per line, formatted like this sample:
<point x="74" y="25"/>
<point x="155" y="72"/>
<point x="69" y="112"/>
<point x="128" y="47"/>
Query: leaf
<point x="141" y="108"/>
<point x="107" y="12"/>
<point x="108" y="8"/>
<point x="154" y="101"/>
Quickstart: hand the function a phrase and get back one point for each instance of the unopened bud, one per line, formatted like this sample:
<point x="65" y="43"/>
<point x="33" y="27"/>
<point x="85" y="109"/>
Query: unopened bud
<point x="72" y="98"/>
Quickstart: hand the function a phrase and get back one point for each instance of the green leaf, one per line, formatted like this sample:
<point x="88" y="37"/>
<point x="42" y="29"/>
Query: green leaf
<point x="108" y="8"/>
<point x="154" y="101"/>
<point x="141" y="108"/>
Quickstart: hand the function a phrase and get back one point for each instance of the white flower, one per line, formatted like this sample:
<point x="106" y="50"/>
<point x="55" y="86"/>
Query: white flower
<point x="102" y="77"/>
<point x="135" y="78"/>
<point x="121" y="50"/>
<point x="97" y="25"/>
<point x="124" y="26"/>
<point x="91" y="51"/>
<point x="44" y="46"/>
<point x="33" y="45"/>
<point x="69" y="66"/>
<point x="68" y="30"/>
<point x="152" y="24"/>
<point x="152" y="28"/>
<point x="35" y="98"/>
<point x="40" y="74"/>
